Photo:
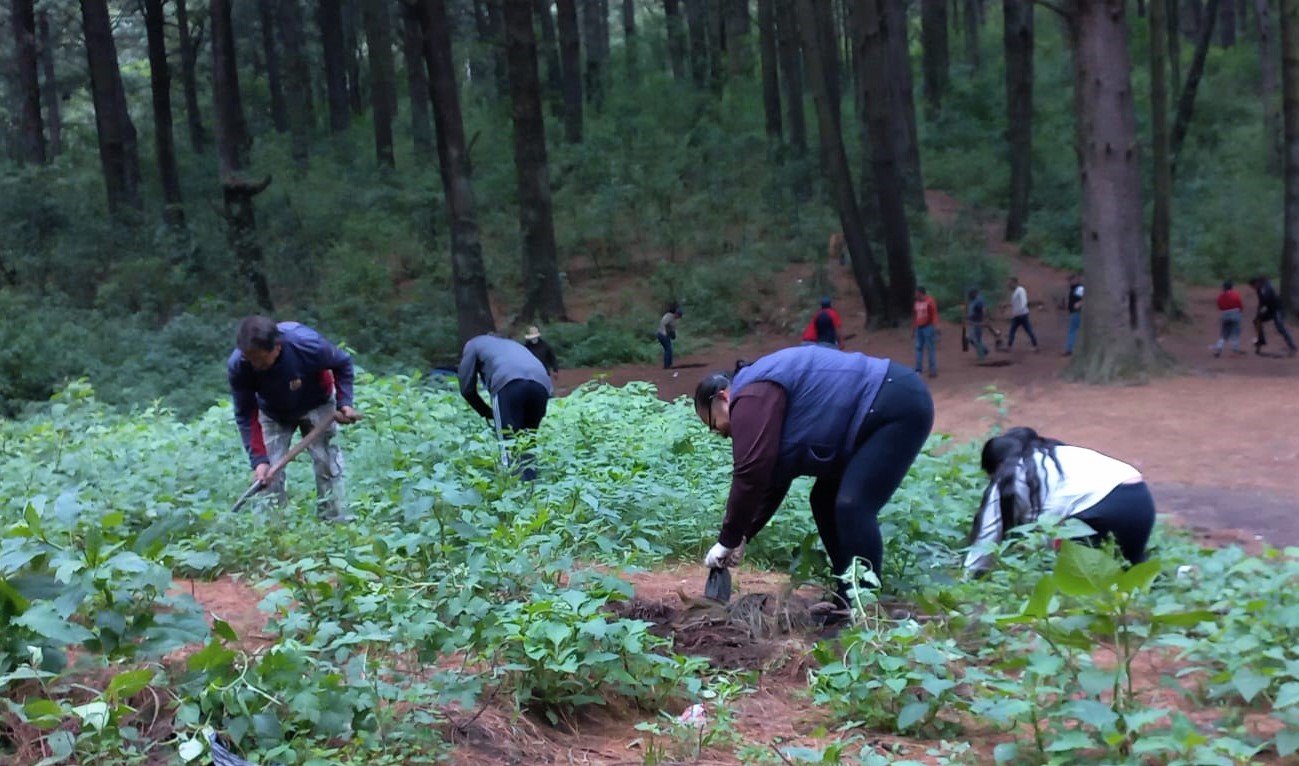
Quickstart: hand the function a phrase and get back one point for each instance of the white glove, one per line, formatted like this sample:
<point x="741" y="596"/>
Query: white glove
<point x="721" y="557"/>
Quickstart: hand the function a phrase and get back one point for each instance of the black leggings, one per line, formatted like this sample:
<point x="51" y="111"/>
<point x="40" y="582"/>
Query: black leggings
<point x="1126" y="514"/>
<point x="520" y="406"/>
<point x="846" y="507"/>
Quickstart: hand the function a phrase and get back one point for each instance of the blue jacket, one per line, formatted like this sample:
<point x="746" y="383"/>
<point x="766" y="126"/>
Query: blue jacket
<point x="828" y="394"/>
<point x="308" y="373"/>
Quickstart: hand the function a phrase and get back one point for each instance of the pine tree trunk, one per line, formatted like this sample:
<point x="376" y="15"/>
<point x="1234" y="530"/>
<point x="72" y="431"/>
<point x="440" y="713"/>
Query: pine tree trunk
<point x="352" y="56"/>
<point x="630" y="42"/>
<point x="1118" y="339"/>
<point x="593" y="59"/>
<point x="50" y="88"/>
<point x="828" y="46"/>
<point x="173" y="211"/>
<point x="1227" y="24"/>
<point x="570" y="55"/>
<point x="378" y="41"/>
<point x="1186" y="101"/>
<point x="1272" y="123"/>
<point x="739" y="56"/>
<point x="1161" y="224"/>
<point x="791" y="75"/>
<point x="902" y="94"/>
<point x="421" y="129"/>
<point x="676" y="38"/>
<point x="867" y="272"/>
<point x="270" y="51"/>
<point x="697" y="21"/>
<point x="886" y="128"/>
<point x="770" y="70"/>
<point x="1290" y="115"/>
<point x="329" y="17"/>
<point x="972" y="19"/>
<point x="469" y="277"/>
<point x="543" y="294"/>
<point x="190" y="41"/>
<point x="118" y="152"/>
<point x="1175" y="45"/>
<point x="31" y="132"/>
<point x="550" y="51"/>
<point x="715" y="23"/>
<point x="1018" y="31"/>
<point x="232" y="142"/>
<point x="933" y="38"/>
<point x="298" y="104"/>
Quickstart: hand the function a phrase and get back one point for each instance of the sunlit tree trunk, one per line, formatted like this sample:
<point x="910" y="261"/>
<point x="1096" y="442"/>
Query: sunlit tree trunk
<point x="164" y="144"/>
<point x="118" y="153"/>
<point x="1018" y="35"/>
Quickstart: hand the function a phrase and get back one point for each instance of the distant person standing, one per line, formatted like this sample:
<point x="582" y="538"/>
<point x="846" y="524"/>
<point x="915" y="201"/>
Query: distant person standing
<point x="1074" y="303"/>
<point x="533" y="341"/>
<point x="517" y="381"/>
<point x="1019" y="313"/>
<point x="824" y="329"/>
<point x="974" y="318"/>
<point x="1230" y="315"/>
<point x="668" y="333"/>
<point x="924" y="325"/>
<point x="1269" y="310"/>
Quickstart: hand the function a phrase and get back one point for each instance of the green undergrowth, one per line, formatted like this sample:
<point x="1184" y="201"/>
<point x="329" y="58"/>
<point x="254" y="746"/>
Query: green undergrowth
<point x="459" y="587"/>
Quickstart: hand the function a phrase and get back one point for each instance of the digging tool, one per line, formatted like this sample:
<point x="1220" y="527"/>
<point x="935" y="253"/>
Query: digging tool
<point x="314" y="435"/>
<point x="718" y="585"/>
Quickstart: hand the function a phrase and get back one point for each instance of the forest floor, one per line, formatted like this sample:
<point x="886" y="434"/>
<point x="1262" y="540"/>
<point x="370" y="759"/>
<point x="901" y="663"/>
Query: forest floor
<point x="1216" y="439"/>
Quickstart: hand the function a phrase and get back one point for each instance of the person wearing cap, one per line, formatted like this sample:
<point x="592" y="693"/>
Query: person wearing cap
<point x="541" y="349"/>
<point x="824" y="328"/>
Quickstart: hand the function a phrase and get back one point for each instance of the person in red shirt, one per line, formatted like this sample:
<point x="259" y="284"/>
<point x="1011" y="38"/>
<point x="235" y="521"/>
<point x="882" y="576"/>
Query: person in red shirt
<point x="824" y="328"/>
<point x="1230" y="308"/>
<point x="924" y="325"/>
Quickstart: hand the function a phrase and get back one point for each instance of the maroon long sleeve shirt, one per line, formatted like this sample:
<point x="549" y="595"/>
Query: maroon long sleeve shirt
<point x="757" y="419"/>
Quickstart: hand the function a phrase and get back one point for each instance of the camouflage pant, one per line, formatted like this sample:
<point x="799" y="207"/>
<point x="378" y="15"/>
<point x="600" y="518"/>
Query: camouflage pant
<point x="326" y="460"/>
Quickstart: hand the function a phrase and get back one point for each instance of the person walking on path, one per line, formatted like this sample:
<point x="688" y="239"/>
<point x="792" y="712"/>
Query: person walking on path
<point x="974" y="318"/>
<point x="283" y="378"/>
<point x="1019" y="314"/>
<point x="854" y="422"/>
<point x="1074" y="303"/>
<point x="668" y="333"/>
<point x="518" y="383"/>
<point x="1230" y="315"/>
<point x="1269" y="310"/>
<point x="533" y="341"/>
<point x="924" y="326"/>
<point x="824" y="328"/>
<point x="1032" y="477"/>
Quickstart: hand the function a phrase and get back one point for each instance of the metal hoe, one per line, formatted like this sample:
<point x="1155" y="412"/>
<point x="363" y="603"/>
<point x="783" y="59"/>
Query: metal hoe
<point x="318" y="431"/>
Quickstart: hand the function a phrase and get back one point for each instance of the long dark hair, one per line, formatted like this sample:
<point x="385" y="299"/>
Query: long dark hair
<point x="1001" y="459"/>
<point x="714" y="384"/>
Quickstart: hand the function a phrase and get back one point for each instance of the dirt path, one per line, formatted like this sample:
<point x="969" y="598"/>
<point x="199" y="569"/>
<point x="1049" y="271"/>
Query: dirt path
<point x="1218" y="440"/>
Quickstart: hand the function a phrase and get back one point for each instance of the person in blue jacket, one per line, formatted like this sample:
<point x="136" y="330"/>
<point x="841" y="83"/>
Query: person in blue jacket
<point x="854" y="422"/>
<point x="286" y="377"/>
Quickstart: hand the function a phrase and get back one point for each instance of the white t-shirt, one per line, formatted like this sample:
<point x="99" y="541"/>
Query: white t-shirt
<point x="1019" y="301"/>
<point x="1088" y="476"/>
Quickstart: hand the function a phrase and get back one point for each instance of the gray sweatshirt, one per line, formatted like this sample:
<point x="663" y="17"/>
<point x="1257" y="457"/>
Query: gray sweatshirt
<point x="499" y="361"/>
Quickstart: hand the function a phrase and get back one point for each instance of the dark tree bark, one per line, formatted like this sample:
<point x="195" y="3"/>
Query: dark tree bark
<point x="867" y="272"/>
<point x="697" y="21"/>
<point x="739" y="57"/>
<point x="1227" y="24"/>
<point x="791" y="75"/>
<point x="933" y="39"/>
<point x="329" y="17"/>
<point x="232" y="143"/>
<point x="902" y="94"/>
<point x="973" y="17"/>
<point x="190" y="40"/>
<point x="421" y="129"/>
<point x="1018" y="29"/>
<point x="352" y="56"/>
<point x="31" y="133"/>
<point x="570" y="55"/>
<point x="299" y="107"/>
<point x="543" y="294"/>
<point x="770" y="69"/>
<point x="1118" y="339"/>
<point x="118" y="152"/>
<point x="828" y="47"/>
<point x="173" y="210"/>
<point x="550" y="51"/>
<point x="1161" y="223"/>
<point x="1186" y="101"/>
<point x="887" y="137"/>
<point x="594" y="56"/>
<point x="378" y="38"/>
<point x="1272" y="122"/>
<point x="1193" y="21"/>
<point x="266" y="10"/>
<point x="630" y="41"/>
<point x="469" y="277"/>
<point x="1174" y="46"/>
<point x="715" y="23"/>
<point x="1290" y="111"/>
<point x="676" y="38"/>
<point x="50" y="88"/>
